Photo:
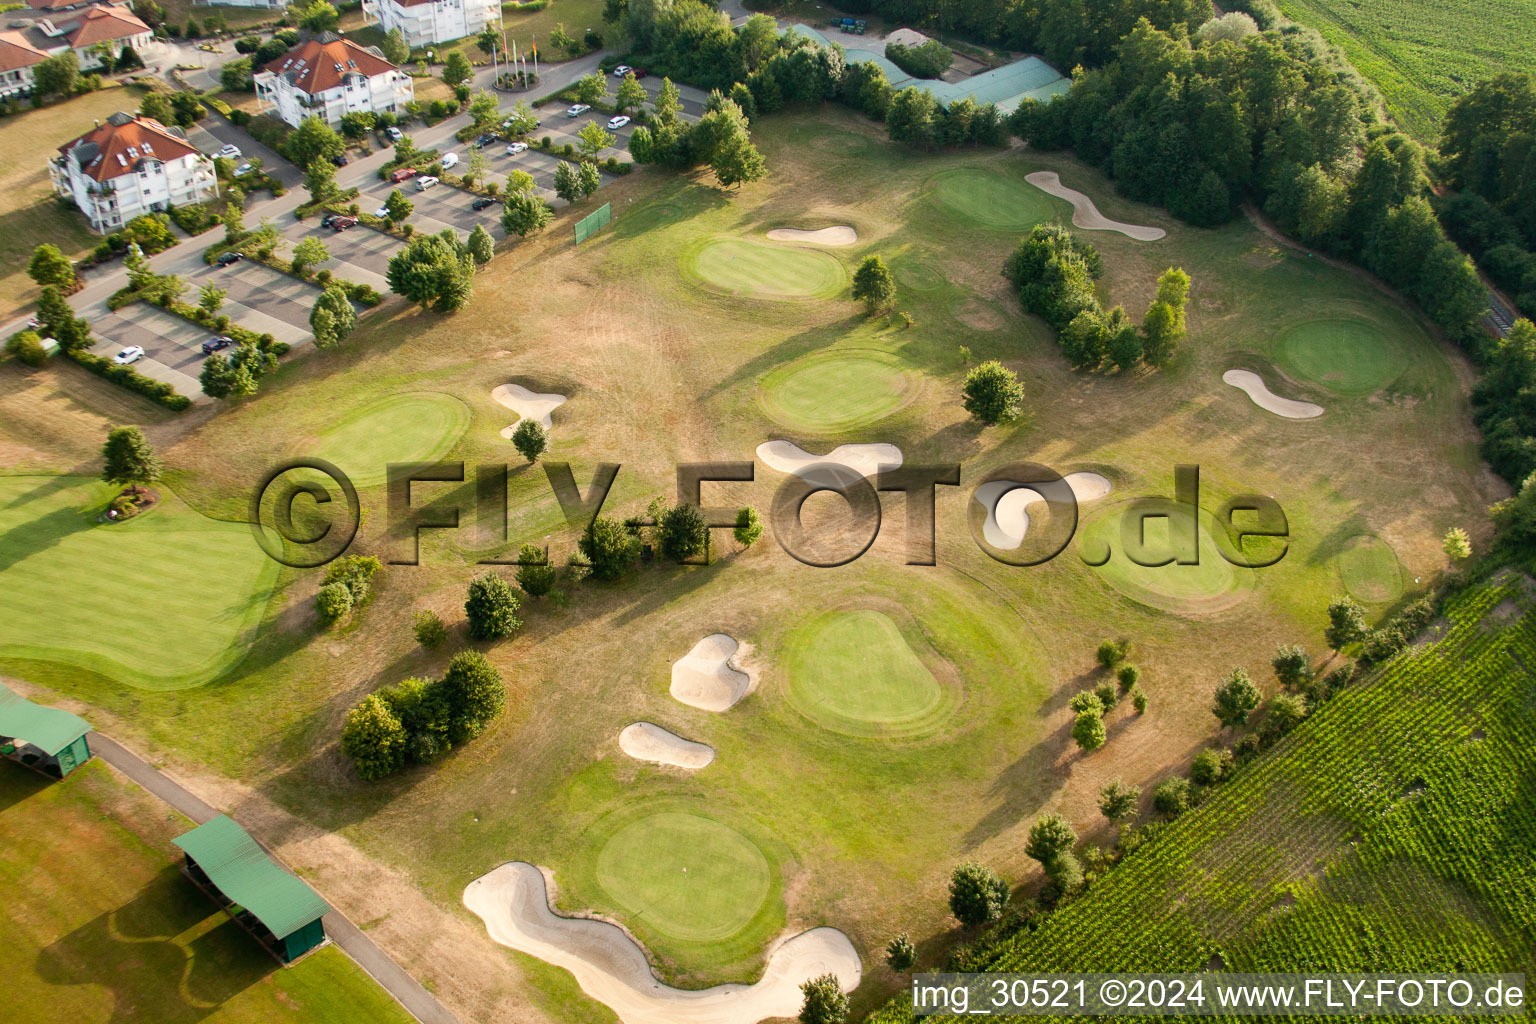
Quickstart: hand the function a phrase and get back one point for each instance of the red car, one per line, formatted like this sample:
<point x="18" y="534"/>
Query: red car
<point x="402" y="174"/>
<point x="639" y="73"/>
<point x="342" y="223"/>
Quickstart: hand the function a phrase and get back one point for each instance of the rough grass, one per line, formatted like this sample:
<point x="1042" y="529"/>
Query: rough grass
<point x="167" y="600"/>
<point x="535" y="27"/>
<point x="29" y="213"/>
<point x="97" y="923"/>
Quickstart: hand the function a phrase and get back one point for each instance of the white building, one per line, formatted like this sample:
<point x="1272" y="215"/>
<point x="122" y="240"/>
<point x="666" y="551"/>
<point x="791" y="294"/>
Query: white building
<point x="17" y="58"/>
<point x="330" y="76"/>
<point x="429" y="22"/>
<point x="129" y="166"/>
<point x="95" y="34"/>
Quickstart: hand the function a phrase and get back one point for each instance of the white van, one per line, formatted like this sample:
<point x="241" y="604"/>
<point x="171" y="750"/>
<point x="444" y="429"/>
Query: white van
<point x="450" y="160"/>
<point x="425" y="182"/>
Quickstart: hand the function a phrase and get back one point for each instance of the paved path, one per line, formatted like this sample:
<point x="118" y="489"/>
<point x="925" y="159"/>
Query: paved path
<point x="418" y="1001"/>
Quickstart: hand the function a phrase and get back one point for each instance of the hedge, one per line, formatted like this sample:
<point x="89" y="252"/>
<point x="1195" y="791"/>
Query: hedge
<point x="133" y="380"/>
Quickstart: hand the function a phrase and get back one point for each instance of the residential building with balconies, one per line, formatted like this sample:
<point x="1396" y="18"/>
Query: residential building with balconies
<point x="128" y="166"/>
<point x="329" y="77"/>
<point x="429" y="22"/>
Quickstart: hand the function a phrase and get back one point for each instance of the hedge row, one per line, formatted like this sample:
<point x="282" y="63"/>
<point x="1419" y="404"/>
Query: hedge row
<point x="133" y="380"/>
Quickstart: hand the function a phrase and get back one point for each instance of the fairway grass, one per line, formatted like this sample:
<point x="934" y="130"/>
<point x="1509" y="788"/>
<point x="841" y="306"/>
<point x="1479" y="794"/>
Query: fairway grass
<point x="1345" y="355"/>
<point x="400" y="428"/>
<point x="996" y="199"/>
<point x="1369" y="570"/>
<point x="853" y="672"/>
<point x="98" y="925"/>
<point x="837" y="391"/>
<point x="766" y="270"/>
<point x="167" y="600"/>
<point x="687" y="876"/>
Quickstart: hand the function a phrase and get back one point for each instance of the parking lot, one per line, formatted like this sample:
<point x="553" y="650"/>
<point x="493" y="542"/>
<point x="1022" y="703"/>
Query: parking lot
<point x="357" y="255"/>
<point x="264" y="300"/>
<point x="172" y="346"/>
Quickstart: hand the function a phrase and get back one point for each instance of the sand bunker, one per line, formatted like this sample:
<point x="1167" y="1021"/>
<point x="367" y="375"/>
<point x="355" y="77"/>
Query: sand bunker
<point x="645" y="741"/>
<point x="528" y="405"/>
<point x="1006" y="503"/>
<point x="864" y="459"/>
<point x="1084" y="213"/>
<point x="610" y="967"/>
<point x="1256" y="389"/>
<point x="710" y="677"/>
<point x="842" y="234"/>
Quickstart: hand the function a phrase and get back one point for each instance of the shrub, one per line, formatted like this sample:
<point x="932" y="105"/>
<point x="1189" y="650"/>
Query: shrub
<point x="1088" y="731"/>
<point x="429" y="629"/>
<point x="900" y="954"/>
<point x="534" y="573"/>
<point x="333" y="601"/>
<point x="355" y="572"/>
<point x="824" y="1002"/>
<point x="1139" y="701"/>
<point x="1049" y="837"/>
<point x="132" y="379"/>
<point x="1171" y="797"/>
<point x="1085" y="700"/>
<point x="1210" y="766"/>
<point x="976" y="894"/>
<point x="1116" y="799"/>
<point x="374" y="739"/>
<point x="611" y="548"/>
<point x="1128" y="676"/>
<point x="749" y="527"/>
<point x="577" y="567"/>
<point x="992" y="393"/>
<point x="926" y="60"/>
<point x="1113" y="652"/>
<point x="491" y="608"/>
<point x="1236" y="695"/>
<point x="1283" y="713"/>
<point x="26" y="346"/>
<point x="1108" y="695"/>
<point x="682" y="532"/>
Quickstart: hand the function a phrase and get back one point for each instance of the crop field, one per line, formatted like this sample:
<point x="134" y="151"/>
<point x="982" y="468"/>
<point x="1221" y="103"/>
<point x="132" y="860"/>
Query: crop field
<point x="1422" y="54"/>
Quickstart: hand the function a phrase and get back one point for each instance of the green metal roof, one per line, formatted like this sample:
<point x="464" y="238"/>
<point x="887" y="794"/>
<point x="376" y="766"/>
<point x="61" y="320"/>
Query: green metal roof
<point x="245" y="873"/>
<point x="50" y="729"/>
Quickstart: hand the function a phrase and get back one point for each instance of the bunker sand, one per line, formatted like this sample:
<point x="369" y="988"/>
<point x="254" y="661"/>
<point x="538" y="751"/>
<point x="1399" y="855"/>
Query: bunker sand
<point x="840" y="234"/>
<point x="711" y="676"/>
<point x="1085" y="214"/>
<point x="528" y="405"/>
<point x="1007" y="502"/>
<point x="864" y="459"/>
<point x="646" y="741"/>
<point x="513" y="901"/>
<point x="1253" y="385"/>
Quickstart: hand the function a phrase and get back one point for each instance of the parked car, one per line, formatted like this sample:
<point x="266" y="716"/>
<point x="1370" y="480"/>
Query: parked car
<point x="33" y="323"/>
<point x="243" y="169"/>
<point x="577" y="110"/>
<point x="228" y="258"/>
<point x="326" y="221"/>
<point x="342" y="223"/>
<point x="402" y="174"/>
<point x="381" y="212"/>
<point x="484" y="140"/>
<point x="340" y="160"/>
<point x="425" y="182"/>
<point x="450" y="160"/>
<point x="213" y="345"/>
<point x="615" y="123"/>
<point x="394" y="134"/>
<point x="640" y="73"/>
<point x="483" y="202"/>
<point x="230" y="152"/>
<point x="131" y="354"/>
<point x="514" y="148"/>
<point x="622" y="70"/>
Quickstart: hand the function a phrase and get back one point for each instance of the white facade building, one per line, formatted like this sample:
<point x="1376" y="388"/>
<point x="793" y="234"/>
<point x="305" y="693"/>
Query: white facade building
<point x="330" y="76"/>
<point x="128" y="166"/>
<point x="429" y="22"/>
<point x="18" y="57"/>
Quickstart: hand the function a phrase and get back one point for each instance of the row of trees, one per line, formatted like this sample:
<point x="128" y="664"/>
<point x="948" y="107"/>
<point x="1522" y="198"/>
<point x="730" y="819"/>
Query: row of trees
<point x="720" y="138"/>
<point x="419" y="720"/>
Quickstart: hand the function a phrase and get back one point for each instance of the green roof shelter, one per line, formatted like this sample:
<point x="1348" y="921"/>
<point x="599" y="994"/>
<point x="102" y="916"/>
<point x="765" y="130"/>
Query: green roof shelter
<point x="258" y="893"/>
<point x="49" y="740"/>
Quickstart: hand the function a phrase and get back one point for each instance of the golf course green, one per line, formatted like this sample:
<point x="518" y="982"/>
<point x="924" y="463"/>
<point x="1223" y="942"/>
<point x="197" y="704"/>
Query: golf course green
<point x="854" y="672"/>
<point x="1212" y="585"/>
<point x="990" y="198"/>
<point x="1345" y="355"/>
<point x="685" y="875"/>
<point x="765" y="270"/>
<point x="835" y="391"/>
<point x="420" y="427"/>
<point x="1369" y="570"/>
<point x="167" y="600"/>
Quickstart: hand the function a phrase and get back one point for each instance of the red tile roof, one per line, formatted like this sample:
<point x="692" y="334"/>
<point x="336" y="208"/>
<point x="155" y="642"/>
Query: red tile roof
<point x="99" y="24"/>
<point x="16" y="53"/>
<point x="323" y="62"/>
<point x="122" y="142"/>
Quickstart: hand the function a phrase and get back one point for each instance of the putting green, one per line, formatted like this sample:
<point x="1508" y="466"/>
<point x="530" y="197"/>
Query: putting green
<point x="1212" y="585"/>
<point x="685" y="875"/>
<point x="853" y="672"/>
<point x="1369" y="570"/>
<point x="164" y="601"/>
<point x="769" y="271"/>
<point x="399" y="428"/>
<point x="1343" y="354"/>
<point x="915" y="271"/>
<point x="648" y="218"/>
<point x="991" y="198"/>
<point x="837" y="391"/>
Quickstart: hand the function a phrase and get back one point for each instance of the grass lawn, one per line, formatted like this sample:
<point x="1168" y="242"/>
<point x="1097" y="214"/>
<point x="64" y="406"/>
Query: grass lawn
<point x="166" y="600"/>
<point x="29" y="213"/>
<point x="1344" y="355"/>
<point x="1001" y="202"/>
<point x="853" y="672"/>
<point x="1369" y="570"/>
<point x="399" y="428"/>
<point x="97" y="923"/>
<point x="535" y="27"/>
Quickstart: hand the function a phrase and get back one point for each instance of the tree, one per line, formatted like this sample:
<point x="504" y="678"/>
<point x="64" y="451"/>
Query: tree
<point x="567" y="184"/>
<point x="669" y="101"/>
<point x="433" y="271"/>
<point x="309" y="251"/>
<point x="186" y="110"/>
<point x="682" y="531"/>
<point x="473" y="692"/>
<point x="210" y="298"/>
<point x="457" y="69"/>
<point x="1236" y="695"/>
<point x="237" y="75"/>
<point x="1113" y="652"/>
<point x="395" y="49"/>
<point x="312" y="140"/>
<point x="534" y="572"/>
<point x="749" y="526"/>
<point x="900" y="954"/>
<point x="373" y="739"/>
<point x="1139" y="701"/>
<point x="130" y="461"/>
<point x="825" y="1002"/>
<point x="429" y="629"/>
<point x="1171" y="797"/>
<point x="631" y="94"/>
<point x="590" y="89"/>
<point x="481" y="246"/>
<point x="1346" y="623"/>
<point x="320" y="181"/>
<point x="356" y="124"/>
<point x="1292" y="666"/>
<point x="50" y="266"/>
<point x="397" y="207"/>
<point x="128" y="59"/>
<point x="1085" y="700"/>
<point x="611" y="548"/>
<point x="1209" y="766"/>
<point x="140" y="275"/>
<point x="1049" y="837"/>
<point x="333" y="317"/>
<point x="523" y="213"/>
<point x="1163" y="326"/>
<point x="992" y="393"/>
<point x="27" y="346"/>
<point x="332" y="602"/>
<point x="588" y="178"/>
<point x="156" y="105"/>
<point x="530" y="439"/>
<point x="593" y="139"/>
<point x="1457" y="545"/>
<point x="1127" y="676"/>
<point x="976" y="894"/>
<point x="1116" y="799"/>
<point x="736" y="161"/>
<point x="56" y="76"/>
<point x="873" y="285"/>
<point x="319" y="16"/>
<point x="913" y="118"/>
<point x="487" y="41"/>
<point x="1088" y="730"/>
<point x="491" y="608"/>
<point x="60" y="322"/>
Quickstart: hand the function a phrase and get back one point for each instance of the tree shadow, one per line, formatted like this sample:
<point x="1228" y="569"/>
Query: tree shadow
<point x="35" y="535"/>
<point x="1020" y="789"/>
